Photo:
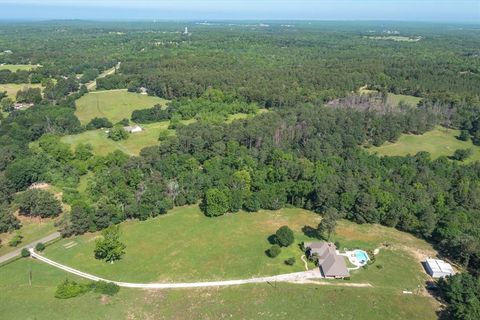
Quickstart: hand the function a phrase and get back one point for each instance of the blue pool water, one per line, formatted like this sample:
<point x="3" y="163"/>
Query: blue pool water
<point x="361" y="256"/>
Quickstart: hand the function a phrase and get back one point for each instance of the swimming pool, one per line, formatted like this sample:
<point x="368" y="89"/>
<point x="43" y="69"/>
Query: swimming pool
<point x="361" y="256"/>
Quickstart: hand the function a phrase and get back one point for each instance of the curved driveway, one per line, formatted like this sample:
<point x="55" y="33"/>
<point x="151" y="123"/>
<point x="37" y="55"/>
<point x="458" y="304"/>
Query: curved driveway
<point x="289" y="277"/>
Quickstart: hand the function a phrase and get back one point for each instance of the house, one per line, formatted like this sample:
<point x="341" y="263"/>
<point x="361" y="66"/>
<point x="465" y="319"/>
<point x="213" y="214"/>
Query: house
<point x="438" y="268"/>
<point x="133" y="129"/>
<point x="143" y="90"/>
<point x="332" y="265"/>
<point x="21" y="106"/>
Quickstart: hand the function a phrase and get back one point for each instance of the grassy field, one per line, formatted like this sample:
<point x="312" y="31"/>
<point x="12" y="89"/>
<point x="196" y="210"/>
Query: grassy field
<point x="439" y="142"/>
<point x="132" y="146"/>
<point x="13" y="88"/>
<point x="16" y="67"/>
<point x="136" y="141"/>
<point x="227" y="247"/>
<point x="19" y="300"/>
<point x="113" y="104"/>
<point x="394" y="99"/>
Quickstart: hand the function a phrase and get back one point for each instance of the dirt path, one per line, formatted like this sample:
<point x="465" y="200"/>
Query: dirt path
<point x="297" y="277"/>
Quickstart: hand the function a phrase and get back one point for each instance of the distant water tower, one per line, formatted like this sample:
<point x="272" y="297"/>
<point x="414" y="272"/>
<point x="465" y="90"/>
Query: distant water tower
<point x="186" y="30"/>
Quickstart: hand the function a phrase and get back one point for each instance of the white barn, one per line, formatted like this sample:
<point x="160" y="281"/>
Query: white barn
<point x="133" y="129"/>
<point x="438" y="268"/>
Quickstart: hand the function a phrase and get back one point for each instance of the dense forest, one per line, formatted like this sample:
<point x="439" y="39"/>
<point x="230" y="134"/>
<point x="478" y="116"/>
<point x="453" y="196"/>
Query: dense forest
<point x="302" y="153"/>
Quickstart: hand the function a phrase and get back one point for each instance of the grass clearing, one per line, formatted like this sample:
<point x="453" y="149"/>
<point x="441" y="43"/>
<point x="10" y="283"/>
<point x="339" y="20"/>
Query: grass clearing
<point x="438" y="142"/>
<point x="102" y="145"/>
<point x="13" y="88"/>
<point x="16" y="67"/>
<point x="186" y="245"/>
<point x="113" y="104"/>
<point x="393" y="99"/>
<point x="19" y="300"/>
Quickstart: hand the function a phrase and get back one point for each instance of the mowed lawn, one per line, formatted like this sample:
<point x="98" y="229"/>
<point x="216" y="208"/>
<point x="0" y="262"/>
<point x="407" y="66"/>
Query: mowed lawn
<point x="184" y="245"/>
<point x="113" y="104"/>
<point x="395" y="99"/>
<point x="13" y="88"/>
<point x="438" y="142"/>
<point x="16" y="67"/>
<point x="19" y="300"/>
<point x="102" y="145"/>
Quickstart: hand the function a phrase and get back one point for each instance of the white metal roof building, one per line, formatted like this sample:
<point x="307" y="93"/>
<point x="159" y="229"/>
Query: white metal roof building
<point x="438" y="268"/>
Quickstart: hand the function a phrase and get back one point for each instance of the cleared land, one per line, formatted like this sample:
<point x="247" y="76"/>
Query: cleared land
<point x="397" y="38"/>
<point x="113" y="104"/>
<point x="13" y="88"/>
<point x="16" y="67"/>
<point x="136" y="141"/>
<point x="394" y="99"/>
<point x="228" y="247"/>
<point x="102" y="145"/>
<point x="438" y="142"/>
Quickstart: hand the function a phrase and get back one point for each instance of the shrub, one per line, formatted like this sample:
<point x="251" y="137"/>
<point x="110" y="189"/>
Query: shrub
<point x="16" y="240"/>
<point x="117" y="133"/>
<point x="38" y="203"/>
<point x="108" y="288"/>
<point x="462" y="154"/>
<point x="290" y="261"/>
<point x="70" y="289"/>
<point x="274" y="251"/>
<point x="25" y="253"/>
<point x="97" y="123"/>
<point x="284" y="236"/>
<point x="379" y="266"/>
<point x="40" y="247"/>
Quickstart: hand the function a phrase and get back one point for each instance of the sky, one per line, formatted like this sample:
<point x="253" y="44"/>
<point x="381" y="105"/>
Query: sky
<point x="404" y="10"/>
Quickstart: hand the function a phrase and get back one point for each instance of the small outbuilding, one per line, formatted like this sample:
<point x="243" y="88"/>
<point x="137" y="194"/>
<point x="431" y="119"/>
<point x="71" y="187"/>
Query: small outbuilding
<point x="438" y="268"/>
<point x="133" y="129"/>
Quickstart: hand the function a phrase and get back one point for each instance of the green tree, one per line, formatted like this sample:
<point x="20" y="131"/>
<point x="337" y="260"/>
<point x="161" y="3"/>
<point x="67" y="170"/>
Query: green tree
<point x="284" y="236"/>
<point x="39" y="247"/>
<point x="25" y="253"/>
<point x="16" y="240"/>
<point x="117" y="133"/>
<point x="274" y="251"/>
<point x="216" y="202"/>
<point x="109" y="248"/>
<point x="327" y="225"/>
<point x="462" y="154"/>
<point x="38" y="203"/>
<point x="7" y="104"/>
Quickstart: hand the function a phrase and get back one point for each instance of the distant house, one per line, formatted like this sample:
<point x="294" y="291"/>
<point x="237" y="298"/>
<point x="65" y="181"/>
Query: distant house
<point x="133" y="129"/>
<point x="438" y="268"/>
<point x="332" y="265"/>
<point x="22" y="106"/>
<point x="143" y="90"/>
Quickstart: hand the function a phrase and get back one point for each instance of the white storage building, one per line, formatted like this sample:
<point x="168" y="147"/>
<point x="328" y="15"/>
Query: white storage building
<point x="438" y="268"/>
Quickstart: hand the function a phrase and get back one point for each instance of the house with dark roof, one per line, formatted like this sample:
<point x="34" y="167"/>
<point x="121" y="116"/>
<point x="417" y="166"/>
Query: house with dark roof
<point x="331" y="264"/>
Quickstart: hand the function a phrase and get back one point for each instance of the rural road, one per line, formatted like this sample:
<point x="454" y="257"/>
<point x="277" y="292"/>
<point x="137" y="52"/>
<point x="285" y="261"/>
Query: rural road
<point x="93" y="84"/>
<point x="289" y="277"/>
<point x="16" y="253"/>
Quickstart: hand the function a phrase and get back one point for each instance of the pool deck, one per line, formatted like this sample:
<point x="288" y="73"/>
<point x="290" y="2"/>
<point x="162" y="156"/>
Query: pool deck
<point x="352" y="257"/>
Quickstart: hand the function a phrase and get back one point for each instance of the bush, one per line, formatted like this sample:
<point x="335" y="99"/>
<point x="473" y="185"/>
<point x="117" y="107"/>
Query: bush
<point x="97" y="123"/>
<point x="284" y="236"/>
<point x="25" y="253"/>
<point x="117" y="133"/>
<point x="40" y="247"/>
<point x="274" y="251"/>
<point x="15" y="241"/>
<point x="70" y="289"/>
<point x="290" y="261"/>
<point x="462" y="154"/>
<point x="108" y="288"/>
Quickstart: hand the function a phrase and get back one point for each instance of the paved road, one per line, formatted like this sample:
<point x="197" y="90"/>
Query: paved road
<point x="16" y="253"/>
<point x="289" y="277"/>
<point x="93" y="84"/>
